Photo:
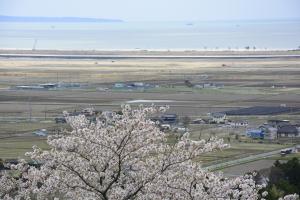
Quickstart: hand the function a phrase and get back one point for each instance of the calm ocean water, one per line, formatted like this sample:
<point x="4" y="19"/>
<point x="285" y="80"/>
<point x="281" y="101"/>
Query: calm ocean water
<point x="151" y="35"/>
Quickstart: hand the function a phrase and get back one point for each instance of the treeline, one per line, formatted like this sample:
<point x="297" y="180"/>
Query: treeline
<point x="4" y="164"/>
<point x="284" y="179"/>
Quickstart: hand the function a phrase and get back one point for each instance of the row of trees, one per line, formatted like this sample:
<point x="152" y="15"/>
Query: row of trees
<point x="124" y="156"/>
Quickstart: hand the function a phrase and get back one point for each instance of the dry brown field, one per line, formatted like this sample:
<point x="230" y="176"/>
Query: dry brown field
<point x="247" y="82"/>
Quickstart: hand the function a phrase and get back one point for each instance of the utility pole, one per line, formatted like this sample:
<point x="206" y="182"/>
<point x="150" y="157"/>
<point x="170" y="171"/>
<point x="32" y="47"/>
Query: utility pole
<point x="34" y="44"/>
<point x="45" y="111"/>
<point x="29" y="108"/>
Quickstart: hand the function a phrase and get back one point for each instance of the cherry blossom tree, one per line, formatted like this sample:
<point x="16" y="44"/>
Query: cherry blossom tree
<point x="123" y="156"/>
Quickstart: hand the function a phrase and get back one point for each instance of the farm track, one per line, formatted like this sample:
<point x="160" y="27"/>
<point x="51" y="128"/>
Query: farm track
<point x="242" y="160"/>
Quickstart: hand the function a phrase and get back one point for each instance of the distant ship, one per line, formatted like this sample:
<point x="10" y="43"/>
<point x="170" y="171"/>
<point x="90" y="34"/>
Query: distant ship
<point x="189" y="24"/>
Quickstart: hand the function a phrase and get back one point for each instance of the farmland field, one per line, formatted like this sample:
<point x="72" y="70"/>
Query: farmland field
<point x="247" y="83"/>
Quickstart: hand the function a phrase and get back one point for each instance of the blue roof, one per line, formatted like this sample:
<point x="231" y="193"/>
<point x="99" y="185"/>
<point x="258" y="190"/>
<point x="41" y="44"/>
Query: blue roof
<point x="256" y="133"/>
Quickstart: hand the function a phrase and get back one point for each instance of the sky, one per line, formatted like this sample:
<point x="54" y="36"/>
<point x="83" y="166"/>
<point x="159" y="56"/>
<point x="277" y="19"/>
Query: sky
<point x="156" y="10"/>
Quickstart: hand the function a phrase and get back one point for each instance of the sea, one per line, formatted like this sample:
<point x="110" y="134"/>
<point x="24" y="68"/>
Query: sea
<point x="196" y="35"/>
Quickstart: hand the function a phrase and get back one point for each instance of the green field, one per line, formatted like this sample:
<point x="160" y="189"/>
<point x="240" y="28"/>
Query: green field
<point x="16" y="147"/>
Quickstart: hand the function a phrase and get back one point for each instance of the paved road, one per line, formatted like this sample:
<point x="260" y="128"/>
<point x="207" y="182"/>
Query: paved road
<point x="148" y="56"/>
<point x="243" y="160"/>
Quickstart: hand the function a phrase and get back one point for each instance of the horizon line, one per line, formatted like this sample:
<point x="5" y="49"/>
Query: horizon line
<point x="149" y="20"/>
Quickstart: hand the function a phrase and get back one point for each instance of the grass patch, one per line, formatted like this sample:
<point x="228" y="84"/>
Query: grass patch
<point x="286" y="157"/>
<point x="22" y="127"/>
<point x="16" y="147"/>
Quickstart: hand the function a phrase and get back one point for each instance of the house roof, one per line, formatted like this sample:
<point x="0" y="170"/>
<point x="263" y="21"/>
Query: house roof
<point x="255" y="131"/>
<point x="277" y="121"/>
<point x="169" y="116"/>
<point x="217" y="115"/>
<point x="289" y="129"/>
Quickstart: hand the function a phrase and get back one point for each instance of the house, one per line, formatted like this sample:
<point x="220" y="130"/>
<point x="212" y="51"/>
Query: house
<point x="270" y="132"/>
<point x="102" y="89"/>
<point x="138" y="84"/>
<point x="168" y="119"/>
<point x="198" y="86"/>
<point x="198" y="121"/>
<point x="238" y="124"/>
<point x="256" y="133"/>
<point x="276" y="123"/>
<point x="209" y="85"/>
<point x="218" y="118"/>
<point x="88" y="112"/>
<point x="219" y="85"/>
<point x="180" y="129"/>
<point x="164" y="127"/>
<point x="119" y="85"/>
<point x="287" y="131"/>
<point x="107" y="114"/>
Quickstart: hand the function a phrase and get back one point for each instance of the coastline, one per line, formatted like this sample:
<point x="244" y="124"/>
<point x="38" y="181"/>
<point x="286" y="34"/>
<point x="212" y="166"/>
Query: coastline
<point x="122" y="54"/>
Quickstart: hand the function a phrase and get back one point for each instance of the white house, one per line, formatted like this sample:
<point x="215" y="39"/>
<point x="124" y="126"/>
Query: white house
<point x="219" y="118"/>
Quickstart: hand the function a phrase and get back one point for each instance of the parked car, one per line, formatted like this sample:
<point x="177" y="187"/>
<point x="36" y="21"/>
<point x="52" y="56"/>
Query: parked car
<point x="285" y="151"/>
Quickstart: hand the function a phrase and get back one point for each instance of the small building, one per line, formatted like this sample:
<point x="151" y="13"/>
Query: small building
<point x="218" y="118"/>
<point x="276" y="123"/>
<point x="207" y="85"/>
<point x="59" y="120"/>
<point x="198" y="86"/>
<point x="270" y="132"/>
<point x="198" y="121"/>
<point x="107" y="114"/>
<point x="219" y="85"/>
<point x="180" y="129"/>
<point x="168" y="119"/>
<point x="213" y="85"/>
<point x="119" y="85"/>
<point x="102" y="89"/>
<point x="42" y="132"/>
<point x="49" y="85"/>
<point x="256" y="133"/>
<point x="165" y="127"/>
<point x="138" y="84"/>
<point x="29" y="87"/>
<point x="287" y="131"/>
<point x="88" y="112"/>
<point x="238" y="124"/>
<point x="69" y="85"/>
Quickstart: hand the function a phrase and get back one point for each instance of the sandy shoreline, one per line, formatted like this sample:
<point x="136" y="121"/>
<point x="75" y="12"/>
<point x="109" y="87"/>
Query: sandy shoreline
<point x="143" y="54"/>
